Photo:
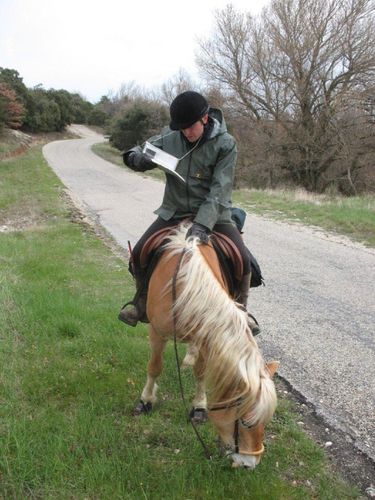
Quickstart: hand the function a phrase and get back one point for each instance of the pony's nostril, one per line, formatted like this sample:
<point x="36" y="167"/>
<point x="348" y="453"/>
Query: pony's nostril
<point x="246" y="461"/>
<point x="249" y="467"/>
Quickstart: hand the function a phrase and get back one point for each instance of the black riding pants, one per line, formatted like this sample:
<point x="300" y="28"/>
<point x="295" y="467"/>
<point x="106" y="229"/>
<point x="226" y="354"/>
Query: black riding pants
<point x="229" y="230"/>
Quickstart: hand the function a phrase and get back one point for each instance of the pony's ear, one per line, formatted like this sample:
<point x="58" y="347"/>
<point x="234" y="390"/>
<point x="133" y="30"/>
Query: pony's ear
<point x="272" y="367"/>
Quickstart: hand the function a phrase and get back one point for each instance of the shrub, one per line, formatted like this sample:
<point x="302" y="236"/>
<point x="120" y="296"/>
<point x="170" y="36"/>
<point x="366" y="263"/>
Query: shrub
<point x="11" y="110"/>
<point x="43" y="112"/>
<point x="97" y="117"/>
<point x="140" y="121"/>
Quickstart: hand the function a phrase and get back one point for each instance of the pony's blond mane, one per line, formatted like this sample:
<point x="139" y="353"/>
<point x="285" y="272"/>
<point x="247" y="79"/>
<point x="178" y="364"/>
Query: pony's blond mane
<point x="206" y="313"/>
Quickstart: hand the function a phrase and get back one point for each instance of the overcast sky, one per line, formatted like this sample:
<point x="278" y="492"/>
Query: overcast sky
<point x="92" y="46"/>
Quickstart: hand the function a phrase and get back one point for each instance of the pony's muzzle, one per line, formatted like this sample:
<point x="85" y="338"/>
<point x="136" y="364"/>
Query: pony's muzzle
<point x="245" y="461"/>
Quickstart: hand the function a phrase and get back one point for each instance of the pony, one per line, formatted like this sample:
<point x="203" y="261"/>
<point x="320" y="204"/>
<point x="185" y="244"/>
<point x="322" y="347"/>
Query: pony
<point x="188" y="300"/>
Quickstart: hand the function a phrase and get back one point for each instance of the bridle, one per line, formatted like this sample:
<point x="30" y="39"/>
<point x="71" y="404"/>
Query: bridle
<point x="236" y="431"/>
<point x="218" y="406"/>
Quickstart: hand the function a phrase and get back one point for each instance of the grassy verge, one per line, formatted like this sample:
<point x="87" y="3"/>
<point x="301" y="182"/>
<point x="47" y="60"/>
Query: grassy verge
<point x="12" y="141"/>
<point x="353" y="217"/>
<point x="70" y="374"/>
<point x="106" y="151"/>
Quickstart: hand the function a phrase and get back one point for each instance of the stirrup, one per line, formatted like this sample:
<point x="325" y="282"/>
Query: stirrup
<point x="122" y="314"/>
<point x="252" y="322"/>
<point x="141" y="316"/>
<point x="253" y="325"/>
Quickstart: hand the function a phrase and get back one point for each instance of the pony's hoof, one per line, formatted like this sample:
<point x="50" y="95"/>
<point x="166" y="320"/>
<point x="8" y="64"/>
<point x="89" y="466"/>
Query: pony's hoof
<point x="198" y="415"/>
<point x="142" y="408"/>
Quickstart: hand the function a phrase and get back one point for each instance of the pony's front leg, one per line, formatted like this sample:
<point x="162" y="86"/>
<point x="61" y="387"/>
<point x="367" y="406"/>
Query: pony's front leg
<point x="154" y="368"/>
<point x="199" y="411"/>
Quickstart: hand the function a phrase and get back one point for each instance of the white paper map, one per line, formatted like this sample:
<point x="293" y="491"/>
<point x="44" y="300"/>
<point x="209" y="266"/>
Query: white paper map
<point x="163" y="160"/>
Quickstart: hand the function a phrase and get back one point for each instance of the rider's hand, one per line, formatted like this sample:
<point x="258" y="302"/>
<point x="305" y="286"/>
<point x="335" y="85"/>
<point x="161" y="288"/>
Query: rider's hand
<point x="139" y="161"/>
<point x="199" y="231"/>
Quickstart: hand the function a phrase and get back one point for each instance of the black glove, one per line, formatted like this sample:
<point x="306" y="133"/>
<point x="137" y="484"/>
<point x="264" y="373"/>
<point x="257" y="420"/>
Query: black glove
<point x="199" y="231"/>
<point x="138" y="161"/>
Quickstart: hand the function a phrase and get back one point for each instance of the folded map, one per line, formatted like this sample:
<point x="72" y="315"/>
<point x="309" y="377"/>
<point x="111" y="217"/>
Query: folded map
<point x="163" y="160"/>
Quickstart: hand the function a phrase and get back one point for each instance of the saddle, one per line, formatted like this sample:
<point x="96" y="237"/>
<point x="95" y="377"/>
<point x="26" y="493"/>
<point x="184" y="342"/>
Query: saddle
<point x="228" y="254"/>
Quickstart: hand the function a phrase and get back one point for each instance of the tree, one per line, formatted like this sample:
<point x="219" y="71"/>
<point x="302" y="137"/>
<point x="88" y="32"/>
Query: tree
<point x="294" y="73"/>
<point x="12" y="111"/>
<point x="106" y="105"/>
<point x="13" y="99"/>
<point x="97" y="117"/>
<point x="12" y="79"/>
<point x="81" y="108"/>
<point x="43" y="112"/>
<point x="64" y="101"/>
<point x="176" y="85"/>
<point x="140" y="121"/>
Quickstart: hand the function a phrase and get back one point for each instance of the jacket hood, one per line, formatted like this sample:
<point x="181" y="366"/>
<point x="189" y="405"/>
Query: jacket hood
<point x="219" y="125"/>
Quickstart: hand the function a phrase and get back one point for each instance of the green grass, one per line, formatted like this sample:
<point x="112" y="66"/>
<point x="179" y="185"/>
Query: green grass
<point x="70" y="374"/>
<point x="351" y="216"/>
<point x="106" y="151"/>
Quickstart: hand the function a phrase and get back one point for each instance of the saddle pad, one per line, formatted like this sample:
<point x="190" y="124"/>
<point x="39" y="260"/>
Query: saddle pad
<point x="231" y="252"/>
<point x="152" y="243"/>
<point x="225" y="245"/>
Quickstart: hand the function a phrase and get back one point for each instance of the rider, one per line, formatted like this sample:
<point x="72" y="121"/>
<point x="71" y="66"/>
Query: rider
<point x="207" y="153"/>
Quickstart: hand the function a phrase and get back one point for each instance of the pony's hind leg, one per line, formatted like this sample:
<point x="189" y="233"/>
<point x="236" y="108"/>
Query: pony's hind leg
<point x="154" y="368"/>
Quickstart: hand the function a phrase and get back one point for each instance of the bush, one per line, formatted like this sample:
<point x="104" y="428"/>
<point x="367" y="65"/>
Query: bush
<point x="97" y="117"/>
<point x="140" y="121"/>
<point x="43" y="112"/>
<point x="2" y="115"/>
<point x="11" y="110"/>
<point x="65" y="103"/>
<point x="81" y="109"/>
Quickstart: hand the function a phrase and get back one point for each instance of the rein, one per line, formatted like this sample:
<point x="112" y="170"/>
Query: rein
<point x="174" y="297"/>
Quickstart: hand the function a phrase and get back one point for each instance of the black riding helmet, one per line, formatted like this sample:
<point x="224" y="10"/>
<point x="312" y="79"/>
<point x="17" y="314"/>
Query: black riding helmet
<point x="186" y="109"/>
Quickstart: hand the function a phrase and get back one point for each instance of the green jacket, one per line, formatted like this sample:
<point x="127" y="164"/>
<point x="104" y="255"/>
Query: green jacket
<point x="208" y="170"/>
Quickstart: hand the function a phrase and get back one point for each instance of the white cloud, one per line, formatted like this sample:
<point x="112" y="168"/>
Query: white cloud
<point x="93" y="46"/>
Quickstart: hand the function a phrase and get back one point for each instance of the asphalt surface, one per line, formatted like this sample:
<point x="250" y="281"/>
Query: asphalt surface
<point x="317" y="310"/>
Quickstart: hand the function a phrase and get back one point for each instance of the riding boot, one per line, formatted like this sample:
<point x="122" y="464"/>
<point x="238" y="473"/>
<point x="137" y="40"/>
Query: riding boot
<point x="135" y="310"/>
<point x="244" y="288"/>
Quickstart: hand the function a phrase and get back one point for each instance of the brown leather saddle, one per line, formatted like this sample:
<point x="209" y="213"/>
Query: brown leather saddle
<point x="228" y="254"/>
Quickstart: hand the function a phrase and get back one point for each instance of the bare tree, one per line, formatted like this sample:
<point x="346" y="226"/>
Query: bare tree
<point x="296" y="72"/>
<point x="175" y="85"/>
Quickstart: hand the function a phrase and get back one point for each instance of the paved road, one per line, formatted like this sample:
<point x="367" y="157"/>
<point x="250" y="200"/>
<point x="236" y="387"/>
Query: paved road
<point x="317" y="310"/>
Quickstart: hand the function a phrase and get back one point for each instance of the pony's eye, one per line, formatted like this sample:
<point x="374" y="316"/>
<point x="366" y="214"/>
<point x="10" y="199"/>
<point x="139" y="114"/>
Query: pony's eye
<point x="246" y="423"/>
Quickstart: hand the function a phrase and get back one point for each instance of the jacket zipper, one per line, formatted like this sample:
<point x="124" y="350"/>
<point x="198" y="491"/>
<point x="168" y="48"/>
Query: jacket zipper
<point x="187" y="184"/>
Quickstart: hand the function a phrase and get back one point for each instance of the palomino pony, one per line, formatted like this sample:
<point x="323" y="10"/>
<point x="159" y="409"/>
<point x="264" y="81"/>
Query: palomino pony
<point x="187" y="298"/>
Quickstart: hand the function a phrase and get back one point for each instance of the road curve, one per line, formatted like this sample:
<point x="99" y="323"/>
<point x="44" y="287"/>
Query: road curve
<point x="317" y="310"/>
